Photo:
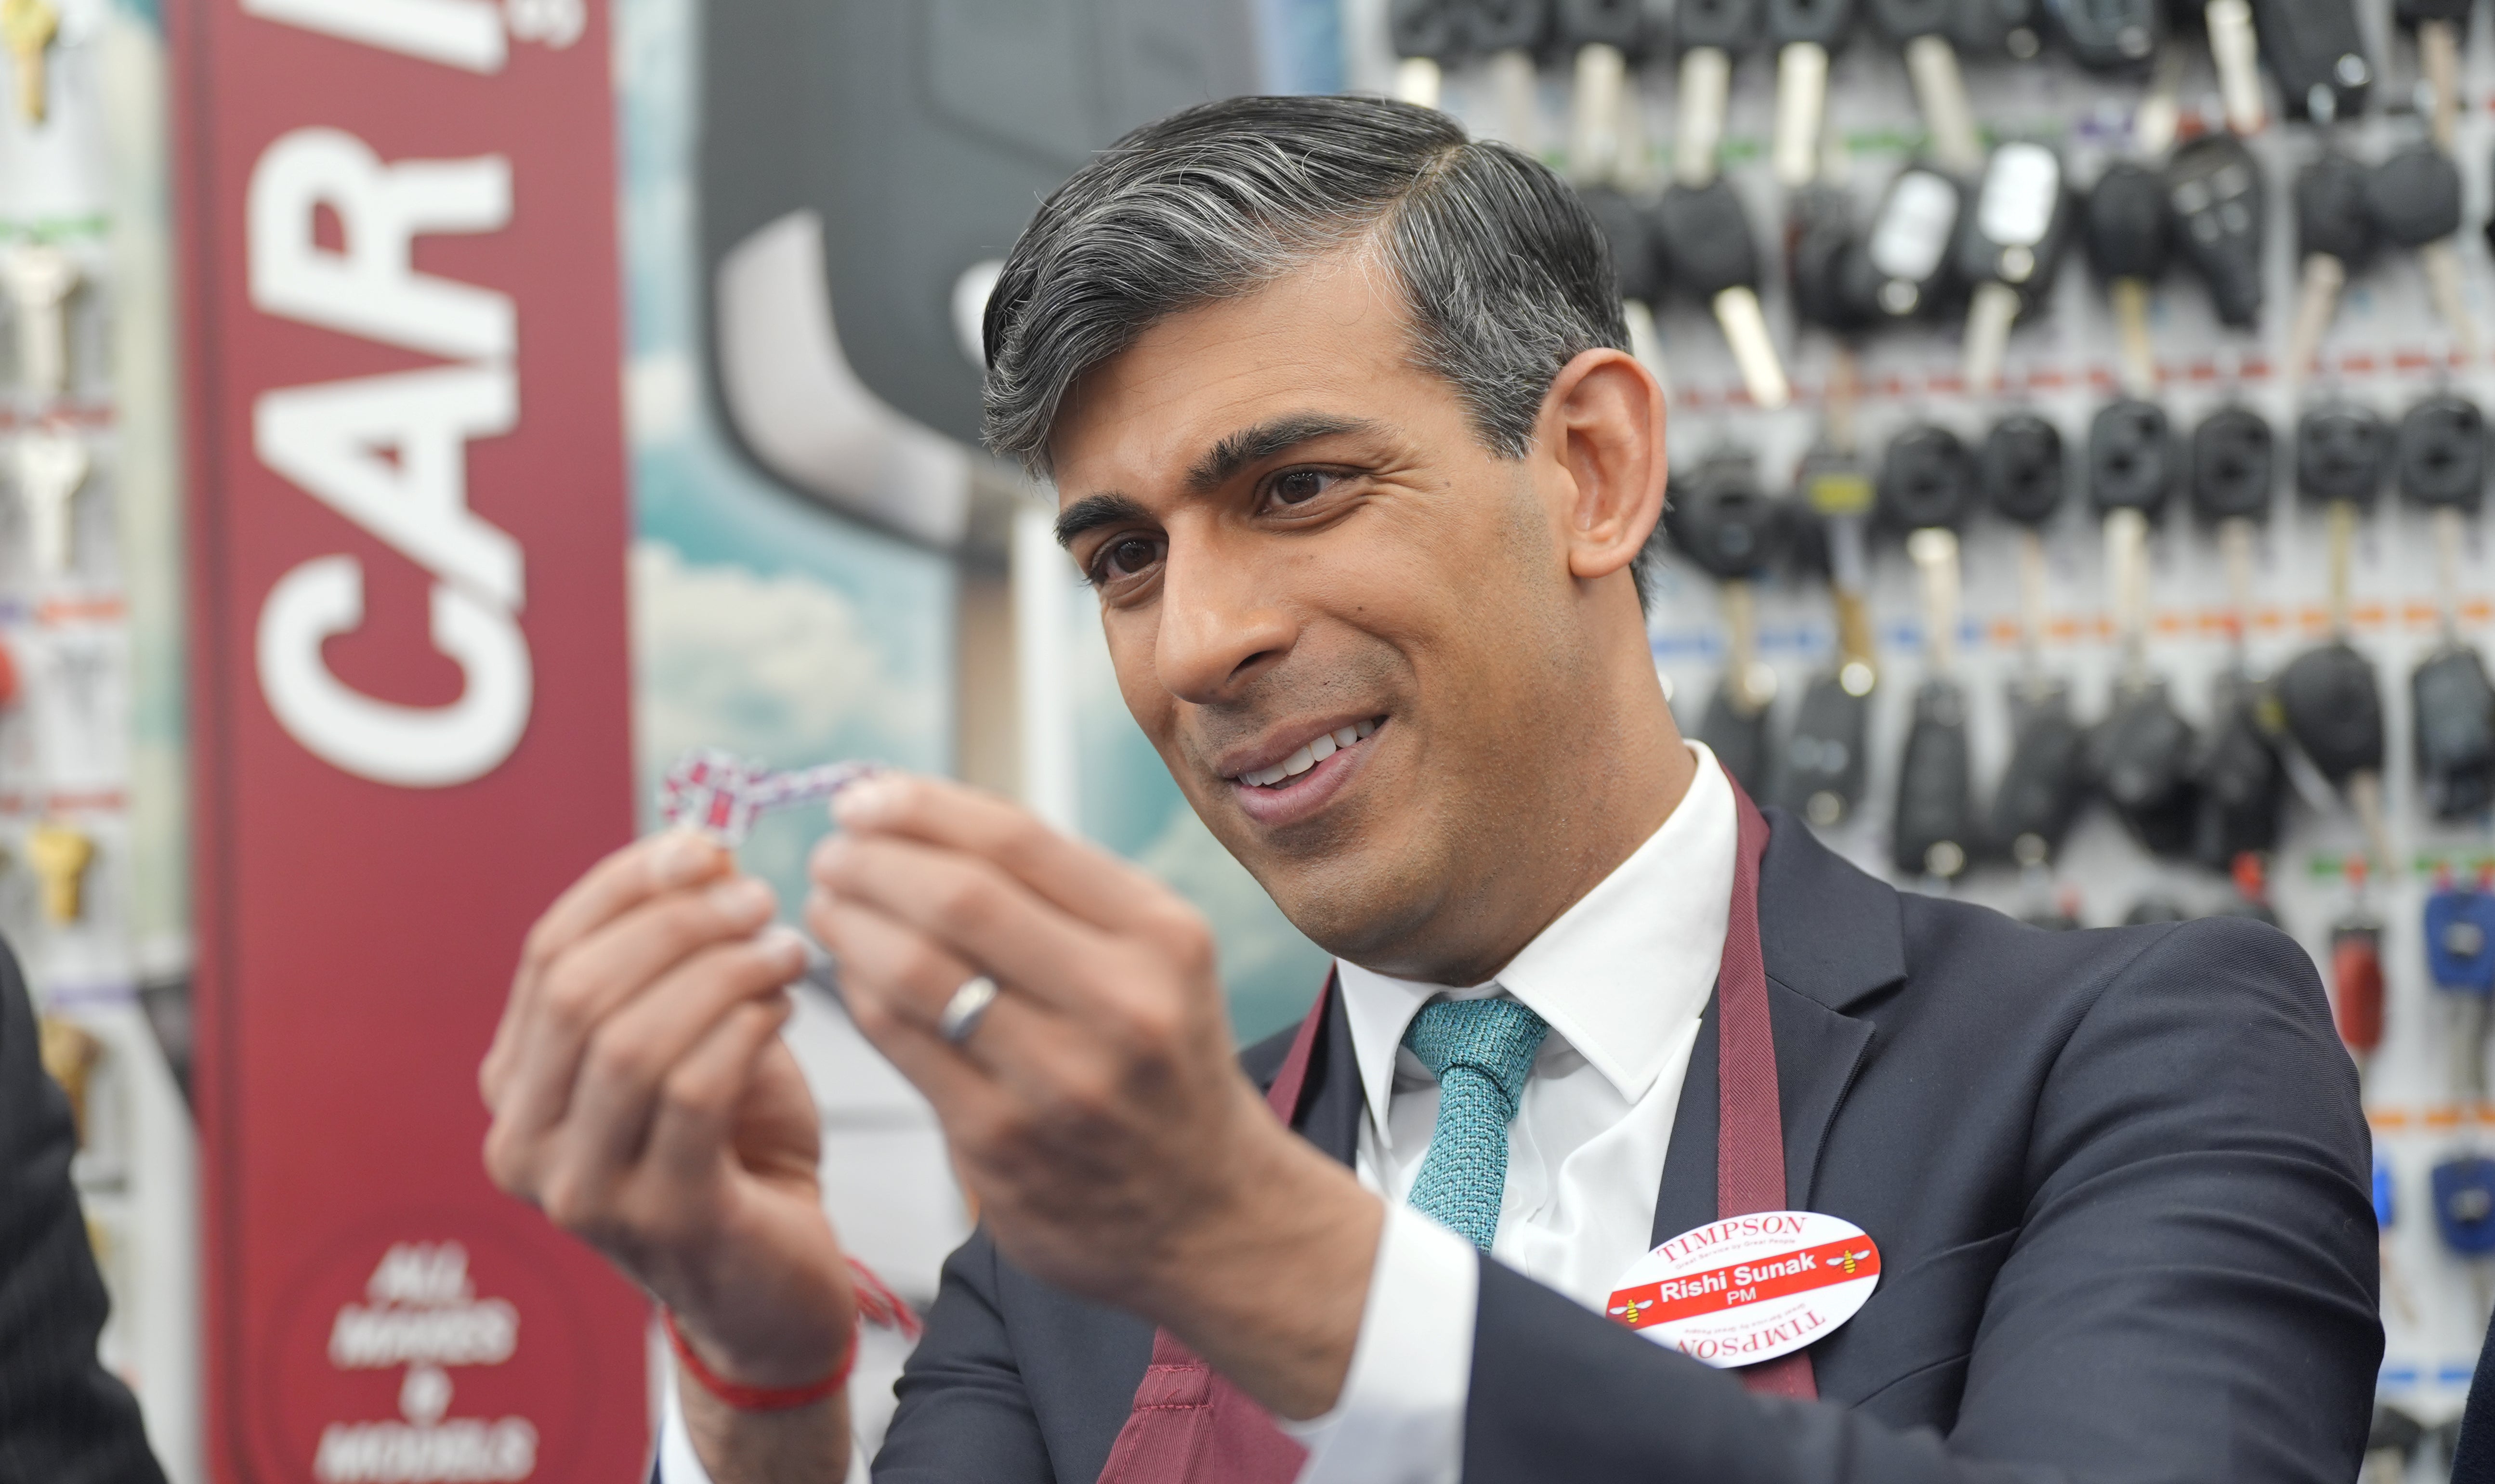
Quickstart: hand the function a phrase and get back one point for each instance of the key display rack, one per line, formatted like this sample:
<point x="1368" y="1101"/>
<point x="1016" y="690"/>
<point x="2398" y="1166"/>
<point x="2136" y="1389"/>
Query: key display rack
<point x="87" y="545"/>
<point x="2079" y="434"/>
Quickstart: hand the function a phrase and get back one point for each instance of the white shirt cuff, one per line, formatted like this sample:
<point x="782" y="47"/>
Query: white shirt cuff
<point x="678" y="1463"/>
<point x="1401" y="1417"/>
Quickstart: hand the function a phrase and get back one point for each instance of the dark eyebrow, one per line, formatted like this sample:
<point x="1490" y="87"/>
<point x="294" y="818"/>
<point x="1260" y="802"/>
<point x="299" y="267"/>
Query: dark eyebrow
<point x="1253" y="446"/>
<point x="1093" y="511"/>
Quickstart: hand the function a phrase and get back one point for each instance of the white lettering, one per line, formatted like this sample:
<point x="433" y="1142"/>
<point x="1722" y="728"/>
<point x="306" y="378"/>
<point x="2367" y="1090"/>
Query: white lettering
<point x="485" y="1333"/>
<point x="371" y="289"/>
<point x="408" y="745"/>
<point x="420" y="1273"/>
<point x="455" y="33"/>
<point x="466" y="1451"/>
<point x="332" y="439"/>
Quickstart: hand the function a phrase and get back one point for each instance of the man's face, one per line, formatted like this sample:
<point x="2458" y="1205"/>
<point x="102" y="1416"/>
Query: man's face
<point x="1348" y="626"/>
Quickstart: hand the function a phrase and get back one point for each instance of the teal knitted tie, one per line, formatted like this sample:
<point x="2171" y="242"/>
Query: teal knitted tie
<point x="1481" y="1051"/>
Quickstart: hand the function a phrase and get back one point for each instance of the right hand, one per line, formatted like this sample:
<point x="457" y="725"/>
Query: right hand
<point x="643" y="1099"/>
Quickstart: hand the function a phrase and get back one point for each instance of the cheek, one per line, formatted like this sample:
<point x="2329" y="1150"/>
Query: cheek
<point x="1132" y="637"/>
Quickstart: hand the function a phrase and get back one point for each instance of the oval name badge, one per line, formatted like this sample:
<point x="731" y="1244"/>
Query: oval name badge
<point x="1750" y="1288"/>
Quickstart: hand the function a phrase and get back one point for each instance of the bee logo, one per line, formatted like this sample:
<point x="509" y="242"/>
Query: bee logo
<point x="1848" y="1260"/>
<point x="1628" y="1312"/>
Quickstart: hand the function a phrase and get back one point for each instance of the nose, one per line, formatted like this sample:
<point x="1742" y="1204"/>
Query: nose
<point x="1219" y="624"/>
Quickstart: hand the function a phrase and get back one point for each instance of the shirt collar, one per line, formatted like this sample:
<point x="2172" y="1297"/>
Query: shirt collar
<point x="1616" y="975"/>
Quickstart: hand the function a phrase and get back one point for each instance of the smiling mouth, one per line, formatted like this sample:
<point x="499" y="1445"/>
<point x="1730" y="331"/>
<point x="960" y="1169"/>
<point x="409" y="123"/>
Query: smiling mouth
<point x="1310" y="754"/>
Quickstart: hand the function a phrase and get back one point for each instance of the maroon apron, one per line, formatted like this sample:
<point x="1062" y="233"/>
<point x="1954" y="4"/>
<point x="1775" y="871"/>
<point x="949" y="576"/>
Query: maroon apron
<point x="1191" y="1425"/>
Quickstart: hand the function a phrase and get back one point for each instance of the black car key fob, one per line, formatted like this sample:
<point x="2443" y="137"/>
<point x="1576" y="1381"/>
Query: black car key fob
<point x="2240" y="783"/>
<point x="2141" y="756"/>
<point x="2234" y="463"/>
<point x="2333" y="708"/>
<point x="1926" y="479"/>
<point x="2132" y="458"/>
<point x="2316" y="51"/>
<point x="2343" y="451"/>
<point x="1935" y="819"/>
<point x="2047" y="781"/>
<point x="2455" y="719"/>
<point x="2109" y="36"/>
<point x="2022" y="468"/>
<point x="2221" y="213"/>
<point x="1907" y="249"/>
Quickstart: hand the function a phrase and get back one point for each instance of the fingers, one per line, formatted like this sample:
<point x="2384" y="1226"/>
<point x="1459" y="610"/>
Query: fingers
<point x="894" y="975"/>
<point x="695" y="1115"/>
<point x="637" y="1048"/>
<point x="665" y="862"/>
<point x="984" y="917"/>
<point x="1092" y="885"/>
<point x="599" y="973"/>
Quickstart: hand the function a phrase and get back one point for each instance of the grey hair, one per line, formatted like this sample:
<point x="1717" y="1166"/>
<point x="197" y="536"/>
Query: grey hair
<point x="1505" y="276"/>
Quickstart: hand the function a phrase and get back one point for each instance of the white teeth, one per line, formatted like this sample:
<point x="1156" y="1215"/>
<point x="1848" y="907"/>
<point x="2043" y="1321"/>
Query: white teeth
<point x="1326" y="746"/>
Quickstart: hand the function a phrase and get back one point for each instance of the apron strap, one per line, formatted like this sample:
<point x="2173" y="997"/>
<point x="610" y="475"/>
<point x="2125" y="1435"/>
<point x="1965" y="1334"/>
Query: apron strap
<point x="1750" y="1130"/>
<point x="1290" y="1084"/>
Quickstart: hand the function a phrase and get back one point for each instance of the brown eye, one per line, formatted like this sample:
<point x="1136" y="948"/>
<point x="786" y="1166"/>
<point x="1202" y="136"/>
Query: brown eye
<point x="1299" y="486"/>
<point x="1127" y="556"/>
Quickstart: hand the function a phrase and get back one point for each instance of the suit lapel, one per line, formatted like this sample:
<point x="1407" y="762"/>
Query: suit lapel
<point x="1851" y="947"/>
<point x="1687" y="1198"/>
<point x="1331" y="1108"/>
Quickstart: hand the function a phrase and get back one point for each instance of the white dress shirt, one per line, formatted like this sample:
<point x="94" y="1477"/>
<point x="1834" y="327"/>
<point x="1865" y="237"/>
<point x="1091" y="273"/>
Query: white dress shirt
<point x="1622" y="977"/>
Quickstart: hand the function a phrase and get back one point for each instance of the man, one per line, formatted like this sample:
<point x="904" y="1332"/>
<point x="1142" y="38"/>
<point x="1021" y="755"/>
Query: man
<point x="1344" y="436"/>
<point x="64" y="1418"/>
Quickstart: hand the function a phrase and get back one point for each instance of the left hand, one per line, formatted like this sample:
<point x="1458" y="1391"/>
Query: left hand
<point x="1099" y="1112"/>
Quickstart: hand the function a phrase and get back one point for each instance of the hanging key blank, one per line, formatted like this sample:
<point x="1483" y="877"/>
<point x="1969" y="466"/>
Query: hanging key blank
<point x="1712" y="35"/>
<point x="1921" y="30"/>
<point x="1706" y="241"/>
<point x="2414" y="197"/>
<point x="2335" y="238"/>
<point x="2128" y="229"/>
<point x="40" y="278"/>
<point x="2008" y="247"/>
<point x="1806" y="33"/>
<point x="53" y="467"/>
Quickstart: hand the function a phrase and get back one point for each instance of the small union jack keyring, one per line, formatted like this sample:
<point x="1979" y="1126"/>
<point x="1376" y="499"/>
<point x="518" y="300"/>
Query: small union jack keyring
<point x="720" y="794"/>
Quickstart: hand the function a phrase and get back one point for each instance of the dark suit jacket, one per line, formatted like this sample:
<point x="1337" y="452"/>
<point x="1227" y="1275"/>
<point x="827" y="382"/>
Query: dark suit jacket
<point x="64" y="1419"/>
<point x="2474" y="1456"/>
<point x="2118" y="1179"/>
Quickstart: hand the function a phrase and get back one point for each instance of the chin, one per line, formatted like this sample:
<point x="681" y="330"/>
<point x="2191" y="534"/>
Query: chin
<point x="1360" y="901"/>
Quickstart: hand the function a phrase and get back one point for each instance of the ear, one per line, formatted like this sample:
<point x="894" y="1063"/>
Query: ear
<point x="1603" y="425"/>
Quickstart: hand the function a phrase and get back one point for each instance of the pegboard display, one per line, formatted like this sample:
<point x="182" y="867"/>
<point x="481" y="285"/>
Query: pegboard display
<point x="75" y="150"/>
<point x="2393" y="342"/>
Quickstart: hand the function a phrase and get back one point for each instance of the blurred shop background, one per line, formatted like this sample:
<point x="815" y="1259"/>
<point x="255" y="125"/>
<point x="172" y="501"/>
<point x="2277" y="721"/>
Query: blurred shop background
<point x="423" y="422"/>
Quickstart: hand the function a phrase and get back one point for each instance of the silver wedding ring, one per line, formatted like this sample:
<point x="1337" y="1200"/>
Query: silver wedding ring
<point x="968" y="1007"/>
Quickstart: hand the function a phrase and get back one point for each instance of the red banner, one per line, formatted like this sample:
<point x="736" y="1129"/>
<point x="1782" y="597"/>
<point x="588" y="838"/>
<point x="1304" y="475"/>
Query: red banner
<point x="409" y="689"/>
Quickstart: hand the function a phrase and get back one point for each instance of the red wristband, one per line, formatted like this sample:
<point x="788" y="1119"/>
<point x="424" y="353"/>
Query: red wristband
<point x="758" y="1397"/>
